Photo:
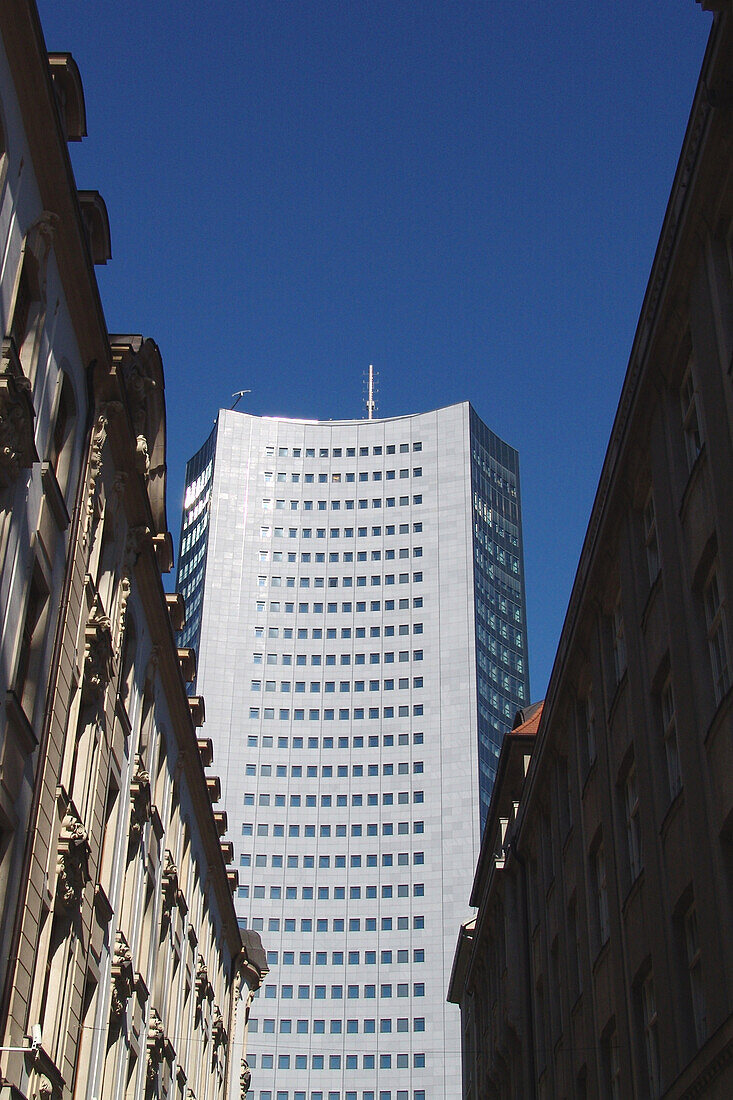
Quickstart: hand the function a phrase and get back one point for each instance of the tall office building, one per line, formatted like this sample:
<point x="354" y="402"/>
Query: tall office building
<point x="354" y="592"/>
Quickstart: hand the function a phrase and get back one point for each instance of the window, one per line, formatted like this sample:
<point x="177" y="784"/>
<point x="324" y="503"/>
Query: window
<point x="669" y="730"/>
<point x="27" y="671"/>
<point x="651" y="1034"/>
<point x="717" y="646"/>
<point x="618" y="640"/>
<point x="586" y="721"/>
<point x="601" y="890"/>
<point x="633" y="831"/>
<point x="650" y="538"/>
<point x="694" y="967"/>
<point x="612" y="1066"/>
<point x="690" y="424"/>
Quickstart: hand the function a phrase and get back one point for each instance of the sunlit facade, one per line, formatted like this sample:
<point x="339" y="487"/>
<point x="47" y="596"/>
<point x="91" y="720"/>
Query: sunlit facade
<point x="354" y="592"/>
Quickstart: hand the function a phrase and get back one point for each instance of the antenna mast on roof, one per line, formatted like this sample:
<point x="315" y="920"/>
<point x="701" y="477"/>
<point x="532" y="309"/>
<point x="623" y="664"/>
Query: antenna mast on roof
<point x="371" y="401"/>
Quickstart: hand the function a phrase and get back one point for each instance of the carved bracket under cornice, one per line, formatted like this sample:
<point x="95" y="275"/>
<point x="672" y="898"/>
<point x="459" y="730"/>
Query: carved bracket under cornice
<point x="170" y="882"/>
<point x="72" y="866"/>
<point x="218" y="1034"/>
<point x="17" y="446"/>
<point x="123" y="978"/>
<point x="141" y="800"/>
<point x="202" y="979"/>
<point x="98" y="653"/>
<point x="245" y="1078"/>
<point x="139" y="385"/>
<point x="155" y="1044"/>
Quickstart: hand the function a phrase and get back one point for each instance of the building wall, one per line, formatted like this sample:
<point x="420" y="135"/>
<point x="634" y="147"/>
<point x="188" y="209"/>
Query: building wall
<point x="338" y="580"/>
<point x="614" y="856"/>
<point x="123" y="970"/>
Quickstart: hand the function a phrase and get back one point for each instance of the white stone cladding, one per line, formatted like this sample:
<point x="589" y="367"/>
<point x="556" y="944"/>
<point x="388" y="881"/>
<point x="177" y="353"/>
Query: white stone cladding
<point x="346" y="739"/>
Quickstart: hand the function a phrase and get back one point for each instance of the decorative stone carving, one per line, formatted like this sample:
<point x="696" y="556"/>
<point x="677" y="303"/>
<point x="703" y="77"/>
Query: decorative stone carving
<point x="139" y="385"/>
<point x="217" y="1028"/>
<point x="98" y="653"/>
<point x="141" y="800"/>
<point x="17" y="447"/>
<point x="170" y="882"/>
<point x="202" y="979"/>
<point x="45" y="1088"/>
<point x="123" y="980"/>
<point x="72" y="868"/>
<point x="245" y="1078"/>
<point x="155" y="1044"/>
<point x="105" y="413"/>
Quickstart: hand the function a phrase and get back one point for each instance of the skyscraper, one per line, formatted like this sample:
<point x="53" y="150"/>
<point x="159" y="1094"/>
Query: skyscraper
<point x="354" y="592"/>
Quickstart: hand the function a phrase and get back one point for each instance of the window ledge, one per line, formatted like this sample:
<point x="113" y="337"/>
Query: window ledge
<point x="672" y="811"/>
<point x="618" y="692"/>
<point x="650" y="600"/>
<point x="719" y="714"/>
<point x="589" y="774"/>
<point x="603" y="950"/>
<point x="55" y="497"/>
<point x="692" y="480"/>
<point x="633" y="890"/>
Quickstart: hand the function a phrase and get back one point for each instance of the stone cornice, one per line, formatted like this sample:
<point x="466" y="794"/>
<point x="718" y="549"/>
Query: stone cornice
<point x="26" y="51"/>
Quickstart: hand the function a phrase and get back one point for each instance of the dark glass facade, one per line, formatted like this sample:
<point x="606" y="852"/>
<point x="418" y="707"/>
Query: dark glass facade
<point x="194" y="540"/>
<point x="502" y="669"/>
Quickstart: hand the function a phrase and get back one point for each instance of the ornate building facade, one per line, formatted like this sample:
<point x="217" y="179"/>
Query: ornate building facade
<point x="123" y="970"/>
<point x="600" y="963"/>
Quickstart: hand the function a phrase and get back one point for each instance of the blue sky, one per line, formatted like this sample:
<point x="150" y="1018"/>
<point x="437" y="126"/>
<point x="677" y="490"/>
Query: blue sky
<point x="466" y="194"/>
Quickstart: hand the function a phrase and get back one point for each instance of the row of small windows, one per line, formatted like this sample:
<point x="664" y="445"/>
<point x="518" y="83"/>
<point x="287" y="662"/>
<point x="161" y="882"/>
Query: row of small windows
<point x="400" y="1094"/>
<point x="323" y="893"/>
<point x="388" y="799"/>
<point x="344" y="714"/>
<point x="356" y="742"/>
<point x="304" y="608"/>
<point x="330" y="658"/>
<point x="336" y="992"/>
<point x="327" y="771"/>
<point x="372" y="829"/>
<point x="345" y="555"/>
<point x="338" y="1061"/>
<point x="355" y="924"/>
<point x="352" y="958"/>
<point x="329" y="686"/>
<point x="339" y="532"/>
<point x="340" y="452"/>
<point x="322" y="505"/>
<point x="336" y="478"/>
<point x="316" y="632"/>
<point x="375" y="580"/>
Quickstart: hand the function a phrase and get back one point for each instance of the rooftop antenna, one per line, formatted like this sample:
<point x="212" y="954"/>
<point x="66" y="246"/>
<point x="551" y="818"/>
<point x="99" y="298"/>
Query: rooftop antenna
<point x="371" y="401"/>
<point x="238" y="395"/>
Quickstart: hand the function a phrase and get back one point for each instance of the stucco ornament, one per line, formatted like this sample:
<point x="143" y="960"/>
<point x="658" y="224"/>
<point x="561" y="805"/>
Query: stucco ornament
<point x="170" y="882"/>
<point x="98" y="652"/>
<point x="155" y="1044"/>
<point x="17" y="447"/>
<point x="139" y="385"/>
<point x="217" y="1028"/>
<point x="73" y="861"/>
<point x="245" y="1078"/>
<point x="202" y="978"/>
<point x="141" y="800"/>
<point x="122" y="976"/>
